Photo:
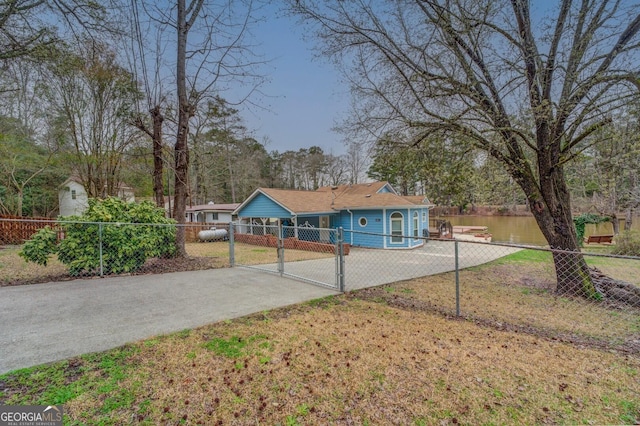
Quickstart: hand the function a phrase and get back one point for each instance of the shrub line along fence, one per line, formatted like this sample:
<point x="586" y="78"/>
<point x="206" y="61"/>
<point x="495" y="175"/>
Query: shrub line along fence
<point x="515" y="280"/>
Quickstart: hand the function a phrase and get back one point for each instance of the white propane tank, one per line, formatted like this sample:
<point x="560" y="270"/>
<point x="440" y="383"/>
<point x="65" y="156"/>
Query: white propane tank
<point x="212" y="234"/>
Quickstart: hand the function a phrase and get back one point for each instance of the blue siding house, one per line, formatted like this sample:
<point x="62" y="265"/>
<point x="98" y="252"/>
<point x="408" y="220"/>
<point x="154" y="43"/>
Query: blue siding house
<point x="371" y="214"/>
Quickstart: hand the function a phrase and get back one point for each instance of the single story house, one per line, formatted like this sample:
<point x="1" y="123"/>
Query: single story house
<point x="73" y="198"/>
<point x="208" y="213"/>
<point x="371" y="214"/>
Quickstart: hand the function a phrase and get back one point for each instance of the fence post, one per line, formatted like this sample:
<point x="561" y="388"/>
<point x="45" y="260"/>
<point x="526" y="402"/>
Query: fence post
<point x="457" y="279"/>
<point x="232" y="246"/>
<point x="340" y="252"/>
<point x="280" y="248"/>
<point x="100" y="242"/>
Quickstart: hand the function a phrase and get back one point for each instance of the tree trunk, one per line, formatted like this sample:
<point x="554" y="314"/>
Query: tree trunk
<point x="628" y="219"/>
<point x="158" y="189"/>
<point x="181" y="149"/>
<point x="615" y="222"/>
<point x="551" y="207"/>
<point x="19" y="202"/>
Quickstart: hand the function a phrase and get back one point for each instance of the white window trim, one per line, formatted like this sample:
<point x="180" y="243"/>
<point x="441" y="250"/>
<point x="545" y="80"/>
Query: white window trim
<point x="365" y="222"/>
<point x="391" y="219"/>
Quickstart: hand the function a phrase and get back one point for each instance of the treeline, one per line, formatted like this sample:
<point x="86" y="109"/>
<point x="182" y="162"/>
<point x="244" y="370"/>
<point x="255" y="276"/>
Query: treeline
<point x="92" y="98"/>
<point x="100" y="95"/>
<point x="603" y="178"/>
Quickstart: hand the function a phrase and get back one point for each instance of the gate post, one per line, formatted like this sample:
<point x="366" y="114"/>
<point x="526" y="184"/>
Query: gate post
<point x="340" y="258"/>
<point x="457" y="279"/>
<point x="232" y="247"/>
<point x="100" y="242"/>
<point x="280" y="248"/>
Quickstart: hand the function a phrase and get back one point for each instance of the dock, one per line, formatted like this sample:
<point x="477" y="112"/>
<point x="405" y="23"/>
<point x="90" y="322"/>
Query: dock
<point x="467" y="229"/>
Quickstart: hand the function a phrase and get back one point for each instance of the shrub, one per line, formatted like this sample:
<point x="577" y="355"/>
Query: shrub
<point x="40" y="246"/>
<point x="627" y="244"/>
<point x="122" y="232"/>
<point x="581" y="221"/>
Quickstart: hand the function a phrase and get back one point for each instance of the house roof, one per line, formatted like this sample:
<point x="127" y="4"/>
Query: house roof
<point x="297" y="201"/>
<point x="329" y="199"/>
<point x="214" y="207"/>
<point x="78" y="180"/>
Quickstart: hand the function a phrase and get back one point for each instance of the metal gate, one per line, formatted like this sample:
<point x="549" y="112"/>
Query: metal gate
<point x="306" y="253"/>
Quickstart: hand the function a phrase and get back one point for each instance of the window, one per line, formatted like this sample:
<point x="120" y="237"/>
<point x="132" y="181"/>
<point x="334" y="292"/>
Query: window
<point x="416" y="225"/>
<point x="363" y="221"/>
<point x="397" y="224"/>
<point x="73" y="194"/>
<point x="424" y="216"/>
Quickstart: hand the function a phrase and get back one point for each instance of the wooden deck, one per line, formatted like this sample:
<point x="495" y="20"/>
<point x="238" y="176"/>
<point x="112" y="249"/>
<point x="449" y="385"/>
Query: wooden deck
<point x="466" y="229"/>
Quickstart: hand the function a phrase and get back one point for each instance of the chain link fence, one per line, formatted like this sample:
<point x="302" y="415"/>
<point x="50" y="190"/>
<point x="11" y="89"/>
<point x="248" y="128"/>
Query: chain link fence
<point x="590" y="298"/>
<point x="575" y="296"/>
<point x="34" y="251"/>
<point x="304" y="252"/>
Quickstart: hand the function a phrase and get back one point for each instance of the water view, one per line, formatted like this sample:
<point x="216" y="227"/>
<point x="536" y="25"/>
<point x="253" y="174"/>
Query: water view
<point x="523" y="229"/>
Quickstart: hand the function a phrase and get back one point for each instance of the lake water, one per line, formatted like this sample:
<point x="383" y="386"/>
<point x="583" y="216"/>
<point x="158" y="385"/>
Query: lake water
<point x="524" y="229"/>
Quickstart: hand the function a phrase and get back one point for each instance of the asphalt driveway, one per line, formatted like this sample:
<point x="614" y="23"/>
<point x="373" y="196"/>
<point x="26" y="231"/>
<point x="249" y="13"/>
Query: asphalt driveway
<point x="41" y="323"/>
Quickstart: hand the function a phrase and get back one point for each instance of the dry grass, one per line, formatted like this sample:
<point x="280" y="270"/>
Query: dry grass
<point x="346" y="361"/>
<point x="518" y="294"/>
<point x="247" y="254"/>
<point x="14" y="269"/>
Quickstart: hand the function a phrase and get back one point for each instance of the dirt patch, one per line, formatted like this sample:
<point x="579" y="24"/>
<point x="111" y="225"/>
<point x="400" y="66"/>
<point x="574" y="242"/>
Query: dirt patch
<point x="161" y="266"/>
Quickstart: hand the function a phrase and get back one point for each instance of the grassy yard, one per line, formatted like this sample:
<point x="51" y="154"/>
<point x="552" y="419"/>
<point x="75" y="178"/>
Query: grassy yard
<point x="377" y="356"/>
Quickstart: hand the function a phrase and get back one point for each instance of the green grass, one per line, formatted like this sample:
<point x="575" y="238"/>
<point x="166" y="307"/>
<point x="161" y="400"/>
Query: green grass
<point x="230" y="348"/>
<point x="59" y="383"/>
<point x="524" y="256"/>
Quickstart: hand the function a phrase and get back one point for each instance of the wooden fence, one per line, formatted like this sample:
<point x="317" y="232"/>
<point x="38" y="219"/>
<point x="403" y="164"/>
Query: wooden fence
<point x="17" y="229"/>
<point x="289" y="243"/>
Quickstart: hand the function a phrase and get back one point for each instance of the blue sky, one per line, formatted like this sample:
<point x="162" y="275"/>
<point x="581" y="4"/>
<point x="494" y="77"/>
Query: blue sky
<point x="304" y="96"/>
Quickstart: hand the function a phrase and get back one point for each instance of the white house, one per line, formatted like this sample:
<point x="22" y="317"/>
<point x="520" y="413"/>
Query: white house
<point x="208" y="213"/>
<point x="73" y="199"/>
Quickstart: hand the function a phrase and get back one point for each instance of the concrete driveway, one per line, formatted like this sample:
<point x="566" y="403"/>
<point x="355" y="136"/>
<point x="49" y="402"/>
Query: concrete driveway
<point x="41" y="323"/>
<point x="47" y="322"/>
<point x="373" y="267"/>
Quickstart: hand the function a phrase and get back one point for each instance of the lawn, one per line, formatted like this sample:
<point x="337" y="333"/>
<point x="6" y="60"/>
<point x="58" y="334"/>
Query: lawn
<point x="377" y="356"/>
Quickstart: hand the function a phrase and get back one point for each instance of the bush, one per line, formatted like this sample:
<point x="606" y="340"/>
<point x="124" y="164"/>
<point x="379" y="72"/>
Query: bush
<point x="126" y="234"/>
<point x="581" y="221"/>
<point x="40" y="246"/>
<point x="627" y="244"/>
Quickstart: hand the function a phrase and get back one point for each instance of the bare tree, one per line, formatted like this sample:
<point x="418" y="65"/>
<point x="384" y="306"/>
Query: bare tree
<point x="487" y="70"/>
<point x="213" y="52"/>
<point x="145" y="61"/>
<point x="91" y="99"/>
<point x="357" y="158"/>
<point x="337" y="170"/>
<point x="27" y="26"/>
<point x="615" y="167"/>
